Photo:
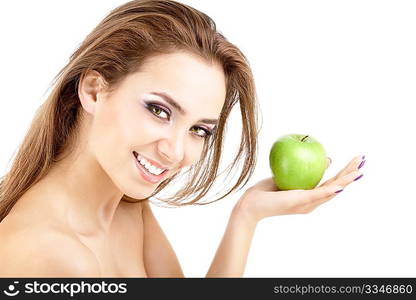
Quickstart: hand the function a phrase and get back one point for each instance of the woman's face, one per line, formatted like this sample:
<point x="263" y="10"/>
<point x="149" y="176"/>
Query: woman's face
<point x="156" y="121"/>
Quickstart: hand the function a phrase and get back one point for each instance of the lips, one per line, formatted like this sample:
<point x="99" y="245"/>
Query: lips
<point x="156" y="164"/>
<point x="146" y="174"/>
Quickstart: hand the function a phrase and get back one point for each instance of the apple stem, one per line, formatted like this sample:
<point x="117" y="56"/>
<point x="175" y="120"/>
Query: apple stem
<point x="304" y="138"/>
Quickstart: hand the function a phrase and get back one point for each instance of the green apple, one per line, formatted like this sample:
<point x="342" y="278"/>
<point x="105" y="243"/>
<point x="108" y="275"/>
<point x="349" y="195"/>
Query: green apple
<point x="297" y="161"/>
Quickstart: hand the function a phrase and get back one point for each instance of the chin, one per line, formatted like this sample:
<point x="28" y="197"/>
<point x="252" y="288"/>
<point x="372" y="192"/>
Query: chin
<point x="140" y="193"/>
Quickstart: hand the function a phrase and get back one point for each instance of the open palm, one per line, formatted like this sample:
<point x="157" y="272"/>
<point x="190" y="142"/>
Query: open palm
<point x="264" y="199"/>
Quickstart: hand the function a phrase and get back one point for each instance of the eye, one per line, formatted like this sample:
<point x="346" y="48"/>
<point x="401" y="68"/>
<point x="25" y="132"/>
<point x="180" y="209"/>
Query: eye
<point x="158" y="111"/>
<point x="201" y="132"/>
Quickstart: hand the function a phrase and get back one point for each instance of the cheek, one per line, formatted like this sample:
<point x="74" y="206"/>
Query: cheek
<point x="112" y="127"/>
<point x="129" y="126"/>
<point x="112" y="133"/>
<point x="120" y="130"/>
<point x="194" y="151"/>
<point x="143" y="128"/>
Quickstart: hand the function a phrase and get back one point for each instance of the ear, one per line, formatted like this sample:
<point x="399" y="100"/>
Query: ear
<point x="90" y="85"/>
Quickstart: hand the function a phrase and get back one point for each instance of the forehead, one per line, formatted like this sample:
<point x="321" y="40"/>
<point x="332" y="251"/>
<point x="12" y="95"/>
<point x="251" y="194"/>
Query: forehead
<point x="197" y="85"/>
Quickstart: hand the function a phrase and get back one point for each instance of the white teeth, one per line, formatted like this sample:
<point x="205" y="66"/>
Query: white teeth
<point x="158" y="172"/>
<point x="151" y="168"/>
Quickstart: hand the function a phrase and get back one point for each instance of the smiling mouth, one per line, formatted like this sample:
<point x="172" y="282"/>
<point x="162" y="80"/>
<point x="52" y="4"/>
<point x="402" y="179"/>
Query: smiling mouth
<point x="150" y="167"/>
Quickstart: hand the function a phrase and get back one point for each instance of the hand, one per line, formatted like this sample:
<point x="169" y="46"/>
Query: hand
<point x="265" y="200"/>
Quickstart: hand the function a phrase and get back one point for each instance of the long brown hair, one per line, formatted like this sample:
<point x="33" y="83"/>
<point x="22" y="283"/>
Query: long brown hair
<point x="117" y="47"/>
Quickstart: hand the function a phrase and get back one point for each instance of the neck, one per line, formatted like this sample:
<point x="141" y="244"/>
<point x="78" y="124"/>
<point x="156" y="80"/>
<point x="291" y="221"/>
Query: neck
<point x="88" y="198"/>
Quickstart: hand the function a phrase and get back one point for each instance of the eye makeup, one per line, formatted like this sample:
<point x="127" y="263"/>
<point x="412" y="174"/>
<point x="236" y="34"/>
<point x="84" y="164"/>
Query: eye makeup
<point x="157" y="109"/>
<point x="162" y="112"/>
<point x="207" y="132"/>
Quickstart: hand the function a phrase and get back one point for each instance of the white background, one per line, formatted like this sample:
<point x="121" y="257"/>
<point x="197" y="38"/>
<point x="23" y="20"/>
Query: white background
<point x="341" y="71"/>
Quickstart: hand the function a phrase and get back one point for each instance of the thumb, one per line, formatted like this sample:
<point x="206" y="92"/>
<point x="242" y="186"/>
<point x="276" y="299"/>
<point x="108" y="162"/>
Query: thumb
<point x="328" y="162"/>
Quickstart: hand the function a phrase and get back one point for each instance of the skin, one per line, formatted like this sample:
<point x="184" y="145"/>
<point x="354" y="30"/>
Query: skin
<point x="72" y="221"/>
<point x="82" y="193"/>
<point x="263" y="200"/>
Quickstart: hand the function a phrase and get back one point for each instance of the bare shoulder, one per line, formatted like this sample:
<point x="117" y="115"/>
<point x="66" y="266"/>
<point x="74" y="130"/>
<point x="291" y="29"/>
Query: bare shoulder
<point x="45" y="251"/>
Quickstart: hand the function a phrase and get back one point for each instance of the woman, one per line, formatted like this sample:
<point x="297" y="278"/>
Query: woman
<point x="144" y="99"/>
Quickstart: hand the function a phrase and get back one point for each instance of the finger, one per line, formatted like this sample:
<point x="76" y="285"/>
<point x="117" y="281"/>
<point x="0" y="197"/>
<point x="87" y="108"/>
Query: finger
<point x="350" y="167"/>
<point x="310" y="197"/>
<point x="348" y="179"/>
<point x="343" y="182"/>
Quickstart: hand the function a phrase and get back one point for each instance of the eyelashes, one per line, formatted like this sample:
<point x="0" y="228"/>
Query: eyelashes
<point x="164" y="113"/>
<point x="158" y="111"/>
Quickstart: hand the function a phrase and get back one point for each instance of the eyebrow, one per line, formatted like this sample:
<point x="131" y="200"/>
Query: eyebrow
<point x="179" y="108"/>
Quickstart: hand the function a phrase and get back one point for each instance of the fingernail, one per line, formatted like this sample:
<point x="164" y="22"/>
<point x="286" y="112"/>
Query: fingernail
<point x="361" y="164"/>
<point x="358" y="177"/>
<point x="339" y="191"/>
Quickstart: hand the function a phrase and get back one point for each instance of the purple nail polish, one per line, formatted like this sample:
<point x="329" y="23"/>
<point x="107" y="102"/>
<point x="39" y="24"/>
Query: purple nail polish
<point x="363" y="157"/>
<point x="358" y="177"/>
<point x="361" y="164"/>
<point x="339" y="191"/>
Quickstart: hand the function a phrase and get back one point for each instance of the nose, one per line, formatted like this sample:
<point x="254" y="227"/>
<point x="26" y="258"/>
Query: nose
<point x="172" y="148"/>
